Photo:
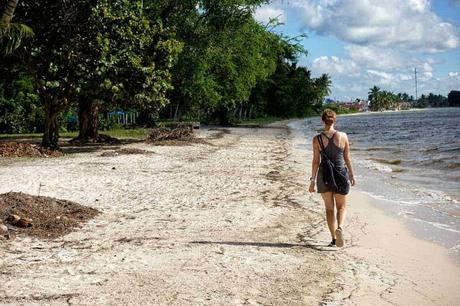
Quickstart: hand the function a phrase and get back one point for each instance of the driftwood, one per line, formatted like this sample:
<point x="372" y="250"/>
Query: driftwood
<point x="19" y="221"/>
<point x="163" y="134"/>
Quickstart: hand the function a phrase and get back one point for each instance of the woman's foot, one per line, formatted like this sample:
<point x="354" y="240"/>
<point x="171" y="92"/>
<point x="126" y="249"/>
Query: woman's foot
<point x="332" y="244"/>
<point x="339" y="237"/>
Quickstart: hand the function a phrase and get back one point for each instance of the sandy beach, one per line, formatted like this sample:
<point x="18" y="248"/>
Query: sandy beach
<point x="225" y="222"/>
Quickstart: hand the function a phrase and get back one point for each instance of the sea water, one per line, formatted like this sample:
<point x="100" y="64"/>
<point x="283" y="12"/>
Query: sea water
<point x="412" y="160"/>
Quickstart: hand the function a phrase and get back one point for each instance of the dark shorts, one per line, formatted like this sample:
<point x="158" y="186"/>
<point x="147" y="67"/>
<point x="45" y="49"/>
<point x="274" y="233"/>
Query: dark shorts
<point x="321" y="187"/>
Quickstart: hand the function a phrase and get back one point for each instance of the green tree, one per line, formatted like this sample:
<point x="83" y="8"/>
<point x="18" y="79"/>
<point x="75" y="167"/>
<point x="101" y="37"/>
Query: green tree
<point x="225" y="54"/>
<point x="374" y="98"/>
<point x="322" y="88"/>
<point x="130" y="62"/>
<point x="12" y="34"/>
<point x="454" y="98"/>
<point x="118" y="55"/>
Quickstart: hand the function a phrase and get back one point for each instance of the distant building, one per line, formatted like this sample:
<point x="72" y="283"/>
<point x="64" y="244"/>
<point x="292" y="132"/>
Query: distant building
<point x="360" y="105"/>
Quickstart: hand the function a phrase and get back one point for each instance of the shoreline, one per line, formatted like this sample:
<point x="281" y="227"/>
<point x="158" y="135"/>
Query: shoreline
<point x="391" y="111"/>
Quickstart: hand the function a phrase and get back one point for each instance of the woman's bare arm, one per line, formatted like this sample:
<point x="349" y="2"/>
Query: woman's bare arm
<point x="314" y="163"/>
<point x="347" y="158"/>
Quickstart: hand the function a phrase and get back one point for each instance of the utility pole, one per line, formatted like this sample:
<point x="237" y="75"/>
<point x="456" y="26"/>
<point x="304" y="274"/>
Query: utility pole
<point x="416" y="90"/>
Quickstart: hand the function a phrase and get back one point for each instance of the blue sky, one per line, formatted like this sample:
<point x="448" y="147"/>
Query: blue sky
<point x="362" y="43"/>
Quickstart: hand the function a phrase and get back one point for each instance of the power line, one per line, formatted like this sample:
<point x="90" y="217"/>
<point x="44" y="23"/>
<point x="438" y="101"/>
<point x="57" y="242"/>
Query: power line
<point x="416" y="89"/>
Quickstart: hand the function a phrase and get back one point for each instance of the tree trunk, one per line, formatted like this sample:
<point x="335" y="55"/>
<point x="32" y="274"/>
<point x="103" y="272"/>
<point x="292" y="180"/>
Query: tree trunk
<point x="221" y="116"/>
<point x="51" y="133"/>
<point x="251" y="109"/>
<point x="8" y="13"/>
<point x="176" y="113"/>
<point x="88" y="115"/>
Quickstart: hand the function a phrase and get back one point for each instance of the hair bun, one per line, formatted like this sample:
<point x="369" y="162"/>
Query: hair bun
<point x="328" y="116"/>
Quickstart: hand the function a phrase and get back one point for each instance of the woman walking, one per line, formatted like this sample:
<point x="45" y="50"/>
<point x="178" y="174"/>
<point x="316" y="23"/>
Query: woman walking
<point x="332" y="145"/>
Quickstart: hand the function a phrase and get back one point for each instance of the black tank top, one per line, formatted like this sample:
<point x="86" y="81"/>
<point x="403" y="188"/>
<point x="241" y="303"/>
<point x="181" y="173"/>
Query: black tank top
<point x="334" y="152"/>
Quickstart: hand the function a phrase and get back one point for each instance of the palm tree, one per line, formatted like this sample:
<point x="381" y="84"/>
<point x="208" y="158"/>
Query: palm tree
<point x="9" y="11"/>
<point x="12" y="34"/>
<point x="373" y="92"/>
<point x="322" y="88"/>
<point x="374" y="98"/>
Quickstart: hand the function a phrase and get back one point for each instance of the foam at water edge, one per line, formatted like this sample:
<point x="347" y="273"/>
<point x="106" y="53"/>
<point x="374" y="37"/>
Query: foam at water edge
<point x="373" y="165"/>
<point x="434" y="224"/>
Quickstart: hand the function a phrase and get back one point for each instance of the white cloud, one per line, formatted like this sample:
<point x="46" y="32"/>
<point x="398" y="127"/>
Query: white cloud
<point x="427" y="75"/>
<point x="377" y="57"/>
<point x="383" y="78"/>
<point x="405" y="77"/>
<point x="332" y="65"/>
<point x="265" y="13"/>
<point x="384" y="42"/>
<point x="410" y="25"/>
<point x="427" y="67"/>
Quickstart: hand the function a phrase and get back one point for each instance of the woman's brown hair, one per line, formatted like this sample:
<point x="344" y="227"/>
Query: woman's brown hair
<point x="328" y="116"/>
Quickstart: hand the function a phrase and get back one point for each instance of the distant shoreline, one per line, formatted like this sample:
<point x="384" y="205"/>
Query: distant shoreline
<point x="396" y="111"/>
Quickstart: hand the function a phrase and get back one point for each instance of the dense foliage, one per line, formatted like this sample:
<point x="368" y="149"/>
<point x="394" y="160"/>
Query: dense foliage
<point x="454" y="98"/>
<point x="383" y="100"/>
<point x="207" y="60"/>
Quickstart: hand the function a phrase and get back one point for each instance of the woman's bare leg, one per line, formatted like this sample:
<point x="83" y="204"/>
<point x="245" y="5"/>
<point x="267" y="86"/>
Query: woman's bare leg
<point x="328" y="199"/>
<point x="341" y="205"/>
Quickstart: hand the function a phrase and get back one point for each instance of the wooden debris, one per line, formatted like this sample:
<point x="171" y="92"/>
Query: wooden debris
<point x="19" y="221"/>
<point x="163" y="134"/>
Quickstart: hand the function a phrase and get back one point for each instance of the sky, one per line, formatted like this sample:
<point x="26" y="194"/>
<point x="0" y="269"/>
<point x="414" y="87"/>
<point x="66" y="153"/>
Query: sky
<point x="362" y="43"/>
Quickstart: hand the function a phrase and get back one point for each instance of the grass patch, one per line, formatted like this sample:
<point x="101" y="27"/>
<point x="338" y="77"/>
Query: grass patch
<point x="261" y="121"/>
<point x="117" y="133"/>
<point x="126" y="133"/>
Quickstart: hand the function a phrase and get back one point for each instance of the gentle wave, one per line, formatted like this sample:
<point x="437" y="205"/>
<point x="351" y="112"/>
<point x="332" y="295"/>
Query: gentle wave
<point x="437" y="163"/>
<point x="386" y="161"/>
<point x="438" y="225"/>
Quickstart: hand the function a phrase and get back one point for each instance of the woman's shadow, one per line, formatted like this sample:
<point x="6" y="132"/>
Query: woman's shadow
<point x="309" y="244"/>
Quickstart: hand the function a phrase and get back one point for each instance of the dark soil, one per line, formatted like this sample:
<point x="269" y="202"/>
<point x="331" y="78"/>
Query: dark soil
<point x="102" y="138"/>
<point x="50" y="217"/>
<point x="23" y="149"/>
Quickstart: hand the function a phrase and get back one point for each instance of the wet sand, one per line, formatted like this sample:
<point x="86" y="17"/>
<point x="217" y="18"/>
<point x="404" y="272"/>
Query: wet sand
<point x="229" y="223"/>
